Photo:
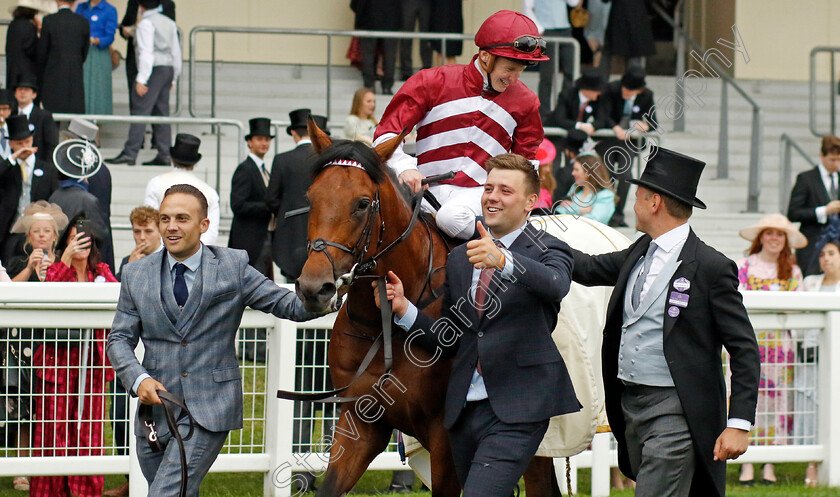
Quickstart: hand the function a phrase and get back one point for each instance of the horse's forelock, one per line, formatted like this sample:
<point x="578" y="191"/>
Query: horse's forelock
<point x="352" y="151"/>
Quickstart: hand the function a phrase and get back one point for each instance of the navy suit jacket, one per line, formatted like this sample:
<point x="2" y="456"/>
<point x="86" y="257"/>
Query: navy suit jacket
<point x="524" y="374"/>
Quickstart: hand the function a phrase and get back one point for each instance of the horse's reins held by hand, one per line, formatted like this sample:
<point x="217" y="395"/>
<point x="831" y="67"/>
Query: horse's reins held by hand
<point x="146" y="417"/>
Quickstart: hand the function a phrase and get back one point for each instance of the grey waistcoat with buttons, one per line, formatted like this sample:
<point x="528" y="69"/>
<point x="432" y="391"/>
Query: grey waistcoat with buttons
<point x="641" y="358"/>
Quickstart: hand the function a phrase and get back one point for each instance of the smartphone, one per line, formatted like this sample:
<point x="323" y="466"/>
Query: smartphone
<point x="85" y="226"/>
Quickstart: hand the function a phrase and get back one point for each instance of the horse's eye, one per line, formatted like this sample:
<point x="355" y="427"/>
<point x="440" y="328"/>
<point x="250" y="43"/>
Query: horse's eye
<point x="363" y="204"/>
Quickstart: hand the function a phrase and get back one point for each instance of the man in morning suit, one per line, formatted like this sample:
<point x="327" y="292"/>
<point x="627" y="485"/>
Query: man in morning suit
<point x="62" y="50"/>
<point x="290" y="179"/>
<point x="23" y="179"/>
<point x="580" y="106"/>
<point x="43" y="127"/>
<point x="675" y="303"/>
<point x="814" y="201"/>
<point x="186" y="303"/>
<point x="501" y="299"/>
<point x="251" y="217"/>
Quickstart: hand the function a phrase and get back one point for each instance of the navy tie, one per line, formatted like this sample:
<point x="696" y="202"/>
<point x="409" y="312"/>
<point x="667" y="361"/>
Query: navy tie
<point x="180" y="289"/>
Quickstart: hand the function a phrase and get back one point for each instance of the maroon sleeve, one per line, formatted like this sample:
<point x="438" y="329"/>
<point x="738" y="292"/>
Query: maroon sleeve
<point x="409" y="105"/>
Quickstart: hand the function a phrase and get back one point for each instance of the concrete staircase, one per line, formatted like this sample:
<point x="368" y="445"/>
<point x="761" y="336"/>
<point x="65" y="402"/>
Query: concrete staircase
<point x="244" y="91"/>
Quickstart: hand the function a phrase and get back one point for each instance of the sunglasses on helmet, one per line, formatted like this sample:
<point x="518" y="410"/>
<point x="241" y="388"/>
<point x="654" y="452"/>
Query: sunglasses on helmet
<point x="524" y="44"/>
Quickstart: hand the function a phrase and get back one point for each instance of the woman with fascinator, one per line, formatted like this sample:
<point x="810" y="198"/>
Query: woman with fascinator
<point x="41" y="223"/>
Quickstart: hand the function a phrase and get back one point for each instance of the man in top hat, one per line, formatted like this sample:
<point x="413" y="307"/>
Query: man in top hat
<point x="62" y="50"/>
<point x="580" y="106"/>
<point x="675" y="303"/>
<point x="5" y="112"/>
<point x="158" y="65"/>
<point x="184" y="158"/>
<point x="631" y="113"/>
<point x="290" y="180"/>
<point x="251" y="216"/>
<point x="41" y="123"/>
<point x="465" y="114"/>
<point x="24" y="178"/>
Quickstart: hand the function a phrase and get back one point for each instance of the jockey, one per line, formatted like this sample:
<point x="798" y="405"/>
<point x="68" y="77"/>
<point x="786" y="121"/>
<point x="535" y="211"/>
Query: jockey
<point x="466" y="114"/>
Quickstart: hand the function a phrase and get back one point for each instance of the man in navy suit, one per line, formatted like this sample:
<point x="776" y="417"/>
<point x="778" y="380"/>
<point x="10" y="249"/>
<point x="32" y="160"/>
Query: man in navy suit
<point x="502" y="296"/>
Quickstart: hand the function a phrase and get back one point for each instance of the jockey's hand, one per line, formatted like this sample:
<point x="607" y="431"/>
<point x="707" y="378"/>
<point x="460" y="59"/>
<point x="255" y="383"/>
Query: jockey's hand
<point x="147" y="391"/>
<point x="484" y="252"/>
<point x="731" y="444"/>
<point x="413" y="178"/>
<point x="396" y="294"/>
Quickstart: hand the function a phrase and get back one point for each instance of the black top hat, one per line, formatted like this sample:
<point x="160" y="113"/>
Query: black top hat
<point x="27" y="81"/>
<point x="18" y="127"/>
<point x="673" y="174"/>
<point x="321" y="121"/>
<point x="634" y="79"/>
<point x="575" y="140"/>
<point x="6" y="98"/>
<point x="185" y="150"/>
<point x="260" y="126"/>
<point x="298" y="118"/>
<point x="590" y="79"/>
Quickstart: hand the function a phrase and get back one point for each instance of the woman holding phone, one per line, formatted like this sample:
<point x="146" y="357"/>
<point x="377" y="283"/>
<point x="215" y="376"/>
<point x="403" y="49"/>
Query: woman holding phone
<point x="63" y="427"/>
<point x="41" y="223"/>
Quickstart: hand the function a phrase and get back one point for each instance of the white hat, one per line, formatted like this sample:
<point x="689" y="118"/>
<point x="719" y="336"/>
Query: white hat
<point x="779" y="222"/>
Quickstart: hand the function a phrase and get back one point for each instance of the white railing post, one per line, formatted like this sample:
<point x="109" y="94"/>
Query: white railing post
<point x="601" y="465"/>
<point x="280" y="375"/>
<point x="137" y="485"/>
<point x="829" y="404"/>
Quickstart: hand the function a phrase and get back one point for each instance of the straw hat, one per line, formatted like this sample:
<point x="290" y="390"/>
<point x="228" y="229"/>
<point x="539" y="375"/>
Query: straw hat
<point x="779" y="222"/>
<point x="40" y="210"/>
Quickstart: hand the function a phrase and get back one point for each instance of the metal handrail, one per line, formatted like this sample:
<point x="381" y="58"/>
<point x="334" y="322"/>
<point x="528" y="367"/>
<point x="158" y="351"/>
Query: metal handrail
<point x="329" y="34"/>
<point x="754" y="182"/>
<point x="216" y="123"/>
<point x="812" y="91"/>
<point x="786" y="169"/>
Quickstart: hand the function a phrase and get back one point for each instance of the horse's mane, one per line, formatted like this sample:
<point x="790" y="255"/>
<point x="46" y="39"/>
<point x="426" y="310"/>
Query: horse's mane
<point x="361" y="153"/>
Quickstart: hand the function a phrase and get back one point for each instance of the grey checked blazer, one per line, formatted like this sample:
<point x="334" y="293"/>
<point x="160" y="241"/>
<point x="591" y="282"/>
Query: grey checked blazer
<point x="191" y="351"/>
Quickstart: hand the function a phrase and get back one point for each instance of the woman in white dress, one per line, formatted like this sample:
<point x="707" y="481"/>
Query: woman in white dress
<point x="360" y="124"/>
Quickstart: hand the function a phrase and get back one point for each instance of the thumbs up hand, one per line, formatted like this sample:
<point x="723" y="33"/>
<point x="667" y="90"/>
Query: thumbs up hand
<point x="484" y="252"/>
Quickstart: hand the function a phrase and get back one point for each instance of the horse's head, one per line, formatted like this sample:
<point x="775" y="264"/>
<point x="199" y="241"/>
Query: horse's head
<point x="344" y="218"/>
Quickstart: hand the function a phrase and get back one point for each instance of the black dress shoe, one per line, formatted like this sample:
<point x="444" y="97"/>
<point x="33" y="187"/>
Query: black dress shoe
<point x="121" y="159"/>
<point x="157" y="161"/>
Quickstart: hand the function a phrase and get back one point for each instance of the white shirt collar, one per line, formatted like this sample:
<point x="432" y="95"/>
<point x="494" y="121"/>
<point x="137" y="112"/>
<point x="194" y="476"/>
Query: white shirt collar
<point x="582" y="99"/>
<point x="824" y="172"/>
<point x="304" y="141"/>
<point x="30" y="164"/>
<point x="259" y="162"/>
<point x="28" y="109"/>
<point x="483" y="75"/>
<point x="192" y="262"/>
<point x="511" y="237"/>
<point x="677" y="236"/>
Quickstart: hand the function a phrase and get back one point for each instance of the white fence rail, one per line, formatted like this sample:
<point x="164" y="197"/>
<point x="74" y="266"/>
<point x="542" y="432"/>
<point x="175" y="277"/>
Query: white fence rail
<point x="279" y="434"/>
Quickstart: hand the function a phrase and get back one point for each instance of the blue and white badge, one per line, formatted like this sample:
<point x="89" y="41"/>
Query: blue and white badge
<point x="31" y="127"/>
<point x="99" y="279"/>
<point x="38" y="172"/>
<point x="678" y="299"/>
<point x="682" y="284"/>
<point x="588" y="108"/>
<point x="635" y="108"/>
<point x="673" y="311"/>
<point x="94" y="18"/>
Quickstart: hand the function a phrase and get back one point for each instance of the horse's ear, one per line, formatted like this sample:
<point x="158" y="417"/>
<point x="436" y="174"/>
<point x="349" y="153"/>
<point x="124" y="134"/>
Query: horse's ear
<point x="386" y="149"/>
<point x="320" y="140"/>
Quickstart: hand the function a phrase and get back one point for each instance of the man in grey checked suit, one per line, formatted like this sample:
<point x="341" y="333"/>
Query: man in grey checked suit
<point x="186" y="303"/>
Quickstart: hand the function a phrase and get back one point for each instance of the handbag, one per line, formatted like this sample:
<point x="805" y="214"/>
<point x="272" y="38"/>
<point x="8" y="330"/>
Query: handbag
<point x="579" y="17"/>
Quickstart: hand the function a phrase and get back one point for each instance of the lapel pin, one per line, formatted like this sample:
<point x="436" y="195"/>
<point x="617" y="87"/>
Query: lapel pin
<point x="673" y="311"/>
<point x="678" y="299"/>
<point x="682" y="284"/>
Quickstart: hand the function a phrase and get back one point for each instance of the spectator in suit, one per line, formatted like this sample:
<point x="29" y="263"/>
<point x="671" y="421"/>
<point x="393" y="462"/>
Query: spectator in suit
<point x="814" y="201"/>
<point x="144" y="227"/>
<point x="44" y="129"/>
<point x="23" y="179"/>
<point x="102" y="17"/>
<point x="251" y="215"/>
<point x="6" y="103"/>
<point x="290" y="179"/>
<point x="128" y="29"/>
<point x="158" y="66"/>
<point x="629" y="35"/>
<point x="552" y="19"/>
<point x="507" y="378"/>
<point x="62" y="51"/>
<point x="580" y="106"/>
<point x="419" y="12"/>
<point x="184" y="158"/>
<point x="41" y="223"/>
<point x="22" y="43"/>
<point x="377" y="15"/>
<point x="631" y="113"/>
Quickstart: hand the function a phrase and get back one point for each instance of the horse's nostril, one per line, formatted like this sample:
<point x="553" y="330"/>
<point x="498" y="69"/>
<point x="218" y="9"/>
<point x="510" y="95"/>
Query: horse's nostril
<point x="327" y="290"/>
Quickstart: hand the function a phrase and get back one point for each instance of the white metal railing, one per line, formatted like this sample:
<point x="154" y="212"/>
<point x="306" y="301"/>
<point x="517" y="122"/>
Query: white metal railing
<point x="276" y="451"/>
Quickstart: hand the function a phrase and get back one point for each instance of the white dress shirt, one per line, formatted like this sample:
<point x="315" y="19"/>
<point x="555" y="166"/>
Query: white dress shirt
<point x="822" y="216"/>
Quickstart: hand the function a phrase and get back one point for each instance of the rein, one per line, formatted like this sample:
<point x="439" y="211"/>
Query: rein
<point x="146" y="417"/>
<point x="360" y="268"/>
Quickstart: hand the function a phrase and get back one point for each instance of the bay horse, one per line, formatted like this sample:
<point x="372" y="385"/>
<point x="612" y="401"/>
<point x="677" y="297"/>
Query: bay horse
<point x="358" y="214"/>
